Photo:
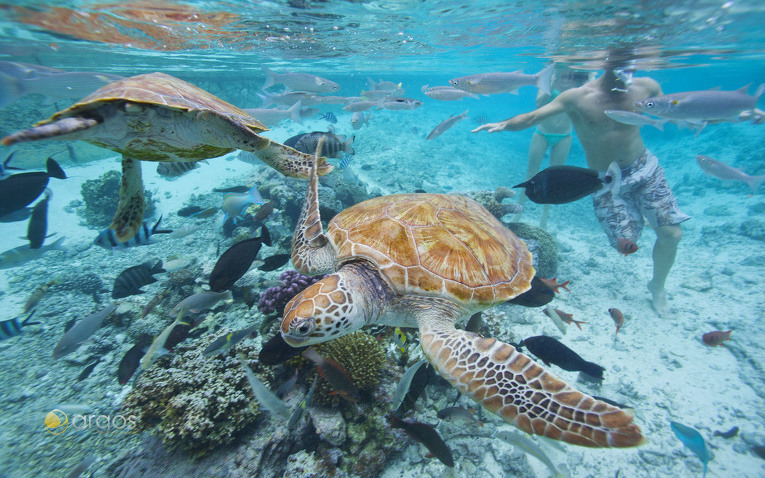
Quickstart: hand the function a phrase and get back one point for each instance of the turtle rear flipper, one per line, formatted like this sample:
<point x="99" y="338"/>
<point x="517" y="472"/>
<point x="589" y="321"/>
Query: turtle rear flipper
<point x="129" y="216"/>
<point x="56" y="129"/>
<point x="511" y="385"/>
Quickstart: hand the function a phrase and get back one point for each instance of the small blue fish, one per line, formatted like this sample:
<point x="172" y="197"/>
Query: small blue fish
<point x="234" y="204"/>
<point x="12" y="328"/>
<point x="346" y="161"/>
<point x="330" y="116"/>
<point x="108" y="240"/>
<point x="693" y="440"/>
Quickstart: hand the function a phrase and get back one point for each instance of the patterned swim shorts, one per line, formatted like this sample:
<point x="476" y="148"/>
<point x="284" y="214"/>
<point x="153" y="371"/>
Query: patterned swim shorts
<point x="643" y="193"/>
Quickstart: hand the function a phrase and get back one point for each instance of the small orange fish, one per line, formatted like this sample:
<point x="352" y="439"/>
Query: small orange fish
<point x="716" y="338"/>
<point x="567" y="318"/>
<point x="625" y="246"/>
<point x="618" y="317"/>
<point x="553" y="284"/>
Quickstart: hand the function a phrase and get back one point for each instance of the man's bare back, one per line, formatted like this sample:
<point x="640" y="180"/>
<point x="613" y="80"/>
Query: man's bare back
<point x="603" y="139"/>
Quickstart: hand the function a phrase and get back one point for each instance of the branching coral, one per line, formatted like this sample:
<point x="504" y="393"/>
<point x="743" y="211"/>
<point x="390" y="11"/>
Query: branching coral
<point x="193" y="402"/>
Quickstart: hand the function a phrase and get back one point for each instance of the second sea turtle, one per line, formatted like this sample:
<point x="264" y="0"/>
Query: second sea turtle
<point x="157" y="117"/>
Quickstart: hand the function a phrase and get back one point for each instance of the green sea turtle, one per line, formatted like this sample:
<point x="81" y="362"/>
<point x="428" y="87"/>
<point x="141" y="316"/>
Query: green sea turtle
<point x="156" y="117"/>
<point x="426" y="261"/>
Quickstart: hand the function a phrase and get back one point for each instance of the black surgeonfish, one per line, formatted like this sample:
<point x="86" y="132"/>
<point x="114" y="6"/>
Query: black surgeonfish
<point x="427" y="435"/>
<point x="130" y="281"/>
<point x="540" y="294"/>
<point x="38" y="222"/>
<point x="274" y="262"/>
<point x="132" y="358"/>
<point x="234" y="263"/>
<point x="550" y="351"/>
<point x="565" y="184"/>
<point x="20" y="189"/>
<point x="276" y="351"/>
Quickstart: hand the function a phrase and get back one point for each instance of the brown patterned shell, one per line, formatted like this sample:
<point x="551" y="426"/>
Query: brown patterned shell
<point x="161" y="90"/>
<point x="435" y="245"/>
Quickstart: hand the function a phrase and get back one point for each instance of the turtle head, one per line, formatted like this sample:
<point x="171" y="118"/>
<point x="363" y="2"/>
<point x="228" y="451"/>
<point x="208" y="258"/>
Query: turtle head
<point x="323" y="311"/>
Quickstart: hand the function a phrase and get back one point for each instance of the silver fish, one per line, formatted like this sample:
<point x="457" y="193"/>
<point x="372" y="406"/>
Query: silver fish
<point x="399" y="103"/>
<point x="20" y="79"/>
<point x="403" y="385"/>
<point x="358" y="119"/>
<point x="701" y="106"/>
<point x="200" y="302"/>
<point x="300" y="81"/>
<point x="446" y="93"/>
<point x="446" y="124"/>
<point x="635" y="119"/>
<point x="721" y="170"/>
<point x="503" y="82"/>
<point x="159" y="342"/>
<point x="274" y="116"/>
<point x="288" y="99"/>
<point x="18" y="256"/>
<point x="82" y="331"/>
<point x="360" y="106"/>
<point x="265" y="397"/>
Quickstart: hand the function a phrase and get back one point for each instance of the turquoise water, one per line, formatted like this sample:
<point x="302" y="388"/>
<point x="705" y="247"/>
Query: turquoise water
<point x="657" y="366"/>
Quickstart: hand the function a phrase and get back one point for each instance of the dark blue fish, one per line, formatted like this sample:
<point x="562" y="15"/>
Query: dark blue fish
<point x="427" y="435"/>
<point x="108" y="240"/>
<point x="330" y="116"/>
<point x="274" y="262"/>
<point x="38" y="222"/>
<point x="540" y="294"/>
<point x="234" y="263"/>
<point x="132" y="358"/>
<point x="19" y="190"/>
<point x="549" y="350"/>
<point x="12" y="328"/>
<point x="565" y="184"/>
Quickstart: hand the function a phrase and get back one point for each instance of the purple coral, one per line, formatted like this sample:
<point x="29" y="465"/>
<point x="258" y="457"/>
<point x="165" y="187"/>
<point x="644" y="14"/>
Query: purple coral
<point x="274" y="299"/>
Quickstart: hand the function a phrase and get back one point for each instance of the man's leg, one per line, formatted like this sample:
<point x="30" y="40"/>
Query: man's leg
<point x="667" y="238"/>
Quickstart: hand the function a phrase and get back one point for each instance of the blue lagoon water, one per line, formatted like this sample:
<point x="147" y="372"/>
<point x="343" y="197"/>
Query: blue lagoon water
<point x="192" y="415"/>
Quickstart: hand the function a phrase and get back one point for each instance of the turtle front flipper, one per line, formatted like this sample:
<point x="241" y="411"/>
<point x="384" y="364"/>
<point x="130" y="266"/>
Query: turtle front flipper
<point x="511" y="385"/>
<point x="129" y="216"/>
<point x="289" y="161"/>
<point x="55" y="130"/>
<point x="311" y="251"/>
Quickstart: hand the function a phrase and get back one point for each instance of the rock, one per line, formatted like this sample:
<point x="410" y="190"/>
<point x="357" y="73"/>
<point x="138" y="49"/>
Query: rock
<point x="699" y="282"/>
<point x="329" y="425"/>
<point x="754" y="229"/>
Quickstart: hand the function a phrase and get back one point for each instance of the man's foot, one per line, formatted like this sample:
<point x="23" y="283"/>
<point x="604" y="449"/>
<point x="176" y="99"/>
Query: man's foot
<point x="659" y="302"/>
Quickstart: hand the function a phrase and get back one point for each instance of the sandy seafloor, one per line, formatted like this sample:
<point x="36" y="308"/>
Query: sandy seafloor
<point x="657" y="365"/>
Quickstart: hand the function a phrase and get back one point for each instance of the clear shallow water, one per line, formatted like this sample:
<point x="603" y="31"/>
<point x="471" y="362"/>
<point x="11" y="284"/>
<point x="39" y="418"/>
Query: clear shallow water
<point x="222" y="47"/>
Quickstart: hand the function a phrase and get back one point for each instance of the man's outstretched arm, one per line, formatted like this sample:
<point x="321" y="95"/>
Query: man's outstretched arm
<point x="527" y="120"/>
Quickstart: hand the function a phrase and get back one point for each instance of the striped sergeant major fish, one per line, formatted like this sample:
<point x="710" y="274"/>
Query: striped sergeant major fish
<point x="108" y="240"/>
<point x="12" y="328"/>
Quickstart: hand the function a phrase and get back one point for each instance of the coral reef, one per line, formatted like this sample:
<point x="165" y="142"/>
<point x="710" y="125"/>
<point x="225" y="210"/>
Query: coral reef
<point x="275" y="298"/>
<point x="87" y="283"/>
<point x="192" y="402"/>
<point x="493" y="201"/>
<point x="541" y="244"/>
<point x="101" y="197"/>
<point x="503" y="193"/>
<point x="360" y="355"/>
